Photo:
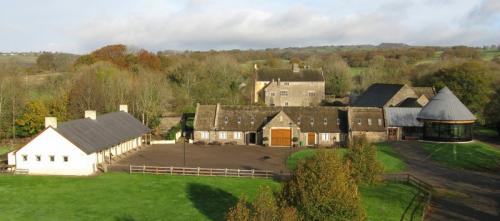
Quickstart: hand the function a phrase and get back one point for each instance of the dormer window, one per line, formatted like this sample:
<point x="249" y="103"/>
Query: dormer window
<point x="226" y="120"/>
<point x="324" y="121"/>
<point x="239" y="120"/>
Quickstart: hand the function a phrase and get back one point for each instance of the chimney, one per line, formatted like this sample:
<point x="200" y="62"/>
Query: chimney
<point x="91" y="114"/>
<point x="124" y="108"/>
<point x="51" y="122"/>
<point x="295" y="68"/>
<point x="279" y="80"/>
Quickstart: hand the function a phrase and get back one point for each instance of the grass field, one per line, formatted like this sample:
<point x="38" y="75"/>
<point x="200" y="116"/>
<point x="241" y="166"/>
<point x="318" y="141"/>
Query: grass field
<point x="120" y="196"/>
<point x="385" y="155"/>
<point x="472" y="156"/>
<point x="355" y="71"/>
<point x="489" y="54"/>
<point x="5" y="149"/>
<point x="487" y="132"/>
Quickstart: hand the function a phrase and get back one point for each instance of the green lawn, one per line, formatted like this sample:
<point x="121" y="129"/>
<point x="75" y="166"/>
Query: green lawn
<point x="385" y="155"/>
<point x="487" y="132"/>
<point x="355" y="71"/>
<point x="472" y="156"/>
<point x="388" y="201"/>
<point x="121" y="196"/>
<point x="489" y="54"/>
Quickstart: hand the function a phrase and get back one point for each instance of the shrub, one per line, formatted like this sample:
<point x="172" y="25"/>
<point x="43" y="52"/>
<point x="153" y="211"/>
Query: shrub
<point x="361" y="156"/>
<point x="240" y="212"/>
<point x="215" y="143"/>
<point x="173" y="130"/>
<point x="200" y="142"/>
<point x="230" y="143"/>
<point x="322" y="189"/>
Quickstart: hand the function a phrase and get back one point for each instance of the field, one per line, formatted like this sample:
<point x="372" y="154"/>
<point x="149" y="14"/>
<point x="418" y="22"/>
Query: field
<point x="472" y="156"/>
<point x="120" y="196"/>
<point x="355" y="71"/>
<point x="385" y="155"/>
<point x="489" y="54"/>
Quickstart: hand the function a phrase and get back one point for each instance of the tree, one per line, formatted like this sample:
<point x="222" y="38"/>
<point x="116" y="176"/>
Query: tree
<point x="338" y="79"/>
<point x="33" y="119"/>
<point x="322" y="189"/>
<point x="469" y="81"/>
<point x="46" y="61"/>
<point x="492" y="113"/>
<point x="362" y="157"/>
<point x="461" y="52"/>
<point x="240" y="212"/>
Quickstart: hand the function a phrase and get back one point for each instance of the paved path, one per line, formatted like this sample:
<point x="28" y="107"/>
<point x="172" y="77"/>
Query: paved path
<point x="461" y="194"/>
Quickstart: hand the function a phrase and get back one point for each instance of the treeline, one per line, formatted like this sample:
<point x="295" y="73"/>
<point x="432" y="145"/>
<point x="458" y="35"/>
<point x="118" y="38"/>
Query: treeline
<point x="153" y="84"/>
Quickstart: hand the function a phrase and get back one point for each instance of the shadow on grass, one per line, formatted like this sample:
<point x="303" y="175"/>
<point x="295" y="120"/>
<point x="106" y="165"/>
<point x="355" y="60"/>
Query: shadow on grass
<point x="387" y="149"/>
<point x="213" y="202"/>
<point x="125" y="218"/>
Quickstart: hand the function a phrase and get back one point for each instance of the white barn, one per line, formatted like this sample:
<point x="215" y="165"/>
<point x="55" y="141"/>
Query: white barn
<point x="80" y="147"/>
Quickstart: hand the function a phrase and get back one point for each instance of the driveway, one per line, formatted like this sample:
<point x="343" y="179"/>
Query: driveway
<point x="209" y="156"/>
<point x="461" y="194"/>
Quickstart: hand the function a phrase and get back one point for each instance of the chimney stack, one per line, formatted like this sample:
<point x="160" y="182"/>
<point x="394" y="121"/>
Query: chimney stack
<point x="295" y="68"/>
<point x="124" y="108"/>
<point x="91" y="114"/>
<point x="51" y="122"/>
<point x="279" y="80"/>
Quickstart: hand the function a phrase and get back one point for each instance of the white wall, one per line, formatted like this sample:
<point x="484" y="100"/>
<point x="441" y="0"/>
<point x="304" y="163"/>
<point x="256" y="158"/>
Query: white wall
<point x="52" y="143"/>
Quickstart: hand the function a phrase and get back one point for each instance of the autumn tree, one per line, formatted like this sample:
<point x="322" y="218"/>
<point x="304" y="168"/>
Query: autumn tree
<point x="461" y="52"/>
<point x="362" y="157"/>
<point x="492" y="113"/>
<point x="46" y="61"/>
<point x="32" y="120"/>
<point x="321" y="188"/>
<point x="338" y="79"/>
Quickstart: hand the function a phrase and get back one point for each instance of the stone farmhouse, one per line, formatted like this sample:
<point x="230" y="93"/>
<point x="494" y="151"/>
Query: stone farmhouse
<point x="280" y="126"/>
<point x="389" y="114"/>
<point x="80" y="147"/>
<point x="289" y="87"/>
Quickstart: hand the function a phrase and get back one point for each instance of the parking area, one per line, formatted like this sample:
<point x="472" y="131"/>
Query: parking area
<point x="209" y="156"/>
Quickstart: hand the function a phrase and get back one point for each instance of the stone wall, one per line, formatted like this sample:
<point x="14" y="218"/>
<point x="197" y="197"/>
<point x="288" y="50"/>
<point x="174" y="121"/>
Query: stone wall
<point x="298" y="93"/>
<point x="403" y="94"/>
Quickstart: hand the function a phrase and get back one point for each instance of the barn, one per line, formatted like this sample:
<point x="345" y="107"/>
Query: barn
<point x="80" y="147"/>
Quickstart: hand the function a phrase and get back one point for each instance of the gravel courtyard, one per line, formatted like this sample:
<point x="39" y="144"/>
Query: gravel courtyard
<point x="209" y="156"/>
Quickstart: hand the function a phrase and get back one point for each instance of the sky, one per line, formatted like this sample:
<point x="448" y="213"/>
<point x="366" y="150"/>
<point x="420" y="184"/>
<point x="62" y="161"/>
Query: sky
<point x="81" y="26"/>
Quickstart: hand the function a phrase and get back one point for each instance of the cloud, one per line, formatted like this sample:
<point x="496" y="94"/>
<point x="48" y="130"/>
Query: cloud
<point x="486" y="13"/>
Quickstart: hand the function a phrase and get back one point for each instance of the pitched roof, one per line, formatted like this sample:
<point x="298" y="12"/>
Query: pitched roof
<point x="104" y="132"/>
<point x="402" y="116"/>
<point x="377" y="95"/>
<point x="429" y="92"/>
<point x="253" y="118"/>
<point x="361" y="115"/>
<point x="269" y="74"/>
<point x="445" y="106"/>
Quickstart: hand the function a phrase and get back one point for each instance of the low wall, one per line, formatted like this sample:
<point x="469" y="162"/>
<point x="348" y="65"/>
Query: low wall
<point x="163" y="142"/>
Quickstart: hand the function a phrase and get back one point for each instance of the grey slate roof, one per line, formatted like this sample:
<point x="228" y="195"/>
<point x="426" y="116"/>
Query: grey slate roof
<point x="445" y="106"/>
<point x="377" y="95"/>
<point x="269" y="74"/>
<point x="240" y="118"/>
<point x="106" y="131"/>
<point x="402" y="116"/>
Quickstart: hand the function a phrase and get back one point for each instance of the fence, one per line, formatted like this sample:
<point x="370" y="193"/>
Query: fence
<point x="421" y="200"/>
<point x="197" y="171"/>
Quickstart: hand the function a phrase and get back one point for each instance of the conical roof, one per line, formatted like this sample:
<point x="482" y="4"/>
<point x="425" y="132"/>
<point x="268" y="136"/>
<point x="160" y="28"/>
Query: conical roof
<point x="445" y="106"/>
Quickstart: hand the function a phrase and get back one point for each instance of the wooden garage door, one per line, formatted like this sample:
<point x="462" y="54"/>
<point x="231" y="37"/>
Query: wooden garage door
<point x="280" y="137"/>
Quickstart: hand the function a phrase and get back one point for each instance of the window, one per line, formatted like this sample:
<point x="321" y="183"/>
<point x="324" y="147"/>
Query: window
<point x="298" y="121"/>
<point x="252" y="120"/>
<point x="25" y="157"/>
<point x="312" y="93"/>
<point x="369" y="121"/>
<point x="65" y="158"/>
<point x="38" y="158"/>
<point x="226" y="119"/>
<point x="312" y="121"/>
<point x="52" y="158"/>
<point x="338" y="121"/>
<point x="286" y="83"/>
<point x="325" y="121"/>
<point x="359" y="121"/>
<point x="237" y="135"/>
<point x="272" y="94"/>
<point x="380" y="122"/>
<point x="204" y="134"/>
<point x="239" y="120"/>
<point x="284" y="93"/>
<point x="286" y="103"/>
<point x="325" y="136"/>
<point x="222" y="135"/>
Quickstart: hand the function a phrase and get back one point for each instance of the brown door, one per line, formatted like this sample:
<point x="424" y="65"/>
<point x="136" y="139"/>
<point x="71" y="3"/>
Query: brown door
<point x="311" y="138"/>
<point x="280" y="137"/>
<point x="392" y="133"/>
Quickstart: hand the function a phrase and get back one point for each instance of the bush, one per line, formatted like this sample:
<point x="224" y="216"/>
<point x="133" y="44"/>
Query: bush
<point x="173" y="130"/>
<point x="230" y="143"/>
<point x="361" y="156"/>
<point x="200" y="142"/>
<point x="264" y="208"/>
<point x="322" y="189"/>
<point x="215" y="143"/>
